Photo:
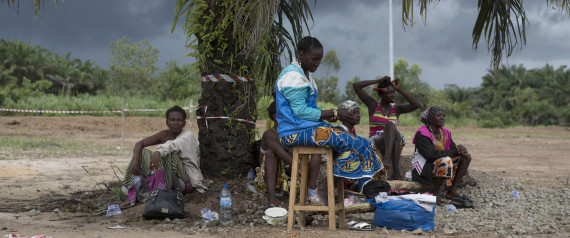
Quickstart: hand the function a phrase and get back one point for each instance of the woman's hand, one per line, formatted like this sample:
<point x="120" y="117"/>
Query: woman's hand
<point x="462" y="150"/>
<point x="345" y="115"/>
<point x="332" y="119"/>
<point x="154" y="160"/>
<point x="396" y="84"/>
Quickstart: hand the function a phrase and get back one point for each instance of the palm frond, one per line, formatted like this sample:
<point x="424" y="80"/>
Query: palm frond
<point x="251" y="20"/>
<point x="298" y="14"/>
<point x="495" y="21"/>
<point x="408" y="12"/>
<point x="15" y="5"/>
<point x="562" y="5"/>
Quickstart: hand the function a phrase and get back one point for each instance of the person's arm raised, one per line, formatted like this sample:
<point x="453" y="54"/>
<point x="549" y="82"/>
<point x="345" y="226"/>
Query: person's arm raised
<point x="364" y="97"/>
<point x="412" y="105"/>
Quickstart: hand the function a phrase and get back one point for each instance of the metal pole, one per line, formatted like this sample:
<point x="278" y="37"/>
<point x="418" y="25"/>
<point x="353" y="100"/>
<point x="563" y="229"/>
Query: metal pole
<point x="391" y="44"/>
<point x="122" y="123"/>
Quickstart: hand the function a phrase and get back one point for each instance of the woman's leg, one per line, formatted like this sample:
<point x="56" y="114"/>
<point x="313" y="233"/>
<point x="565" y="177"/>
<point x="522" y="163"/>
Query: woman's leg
<point x="389" y="138"/>
<point x="442" y="171"/>
<point x="396" y="155"/>
<point x="314" y="166"/>
<point x="436" y="189"/>
<point x="389" y="146"/>
<point x="462" y="167"/>
<point x="270" y="175"/>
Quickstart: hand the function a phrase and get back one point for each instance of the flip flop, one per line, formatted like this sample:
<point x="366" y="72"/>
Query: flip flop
<point x="361" y="226"/>
<point x="348" y="224"/>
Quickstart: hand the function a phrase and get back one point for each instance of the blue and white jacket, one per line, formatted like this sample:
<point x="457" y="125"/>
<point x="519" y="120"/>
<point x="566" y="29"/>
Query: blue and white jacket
<point x="296" y="101"/>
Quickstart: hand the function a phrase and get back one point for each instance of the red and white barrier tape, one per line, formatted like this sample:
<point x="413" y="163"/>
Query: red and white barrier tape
<point x="231" y="118"/>
<point x="206" y="118"/>
<point x="225" y="78"/>
<point x="82" y="112"/>
<point x="55" y="111"/>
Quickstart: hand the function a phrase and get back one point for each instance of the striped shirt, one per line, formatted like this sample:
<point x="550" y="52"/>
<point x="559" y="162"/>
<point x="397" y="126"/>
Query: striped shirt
<point x="378" y="119"/>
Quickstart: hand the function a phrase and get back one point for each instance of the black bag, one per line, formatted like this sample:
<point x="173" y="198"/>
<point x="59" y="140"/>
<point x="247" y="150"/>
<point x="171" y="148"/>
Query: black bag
<point x="462" y="202"/>
<point x="164" y="204"/>
<point x="373" y="187"/>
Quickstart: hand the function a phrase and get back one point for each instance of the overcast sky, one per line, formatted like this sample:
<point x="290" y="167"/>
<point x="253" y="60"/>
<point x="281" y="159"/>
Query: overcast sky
<point x="357" y="30"/>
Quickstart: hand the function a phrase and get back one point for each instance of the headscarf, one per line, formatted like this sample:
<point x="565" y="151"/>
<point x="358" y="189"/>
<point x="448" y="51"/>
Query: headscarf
<point x="348" y="105"/>
<point x="428" y="114"/>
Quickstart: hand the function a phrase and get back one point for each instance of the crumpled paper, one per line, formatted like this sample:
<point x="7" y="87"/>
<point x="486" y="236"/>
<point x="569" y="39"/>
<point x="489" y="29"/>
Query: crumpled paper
<point x="208" y="214"/>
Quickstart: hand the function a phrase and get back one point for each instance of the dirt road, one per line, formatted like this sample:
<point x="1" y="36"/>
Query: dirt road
<point x="54" y="159"/>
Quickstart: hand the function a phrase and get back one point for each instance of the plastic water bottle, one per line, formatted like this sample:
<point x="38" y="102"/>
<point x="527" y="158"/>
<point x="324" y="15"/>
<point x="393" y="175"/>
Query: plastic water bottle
<point x="225" y="204"/>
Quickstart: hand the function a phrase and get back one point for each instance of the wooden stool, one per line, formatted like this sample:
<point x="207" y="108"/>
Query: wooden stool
<point x="302" y="207"/>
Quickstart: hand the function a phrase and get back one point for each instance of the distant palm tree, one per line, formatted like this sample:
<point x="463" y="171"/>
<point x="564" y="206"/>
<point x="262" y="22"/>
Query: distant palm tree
<point x="23" y="60"/>
<point x="66" y="72"/>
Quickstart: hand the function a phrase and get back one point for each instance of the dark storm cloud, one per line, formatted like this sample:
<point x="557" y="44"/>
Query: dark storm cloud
<point x="86" y="28"/>
<point x="357" y="30"/>
<point x="87" y="22"/>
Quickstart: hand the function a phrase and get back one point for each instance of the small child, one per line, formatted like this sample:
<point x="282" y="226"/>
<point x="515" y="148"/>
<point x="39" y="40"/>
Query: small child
<point x="348" y="126"/>
<point x="351" y="106"/>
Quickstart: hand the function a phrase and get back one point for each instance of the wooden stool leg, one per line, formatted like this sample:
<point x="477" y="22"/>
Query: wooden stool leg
<point x="330" y="188"/>
<point x="293" y="188"/>
<point x="340" y="210"/>
<point x="303" y="189"/>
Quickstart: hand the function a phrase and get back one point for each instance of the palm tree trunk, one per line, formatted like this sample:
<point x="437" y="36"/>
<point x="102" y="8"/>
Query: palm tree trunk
<point x="226" y="146"/>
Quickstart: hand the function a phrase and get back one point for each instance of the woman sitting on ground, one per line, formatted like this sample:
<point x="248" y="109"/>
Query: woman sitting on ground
<point x="301" y="120"/>
<point x="174" y="165"/>
<point x="436" y="157"/>
<point x="275" y="158"/>
<point x="384" y="118"/>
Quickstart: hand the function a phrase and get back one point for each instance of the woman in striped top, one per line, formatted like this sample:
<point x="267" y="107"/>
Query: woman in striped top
<point x="384" y="118"/>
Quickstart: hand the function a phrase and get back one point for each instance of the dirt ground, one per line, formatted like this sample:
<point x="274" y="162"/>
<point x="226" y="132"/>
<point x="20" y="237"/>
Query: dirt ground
<point x="65" y="174"/>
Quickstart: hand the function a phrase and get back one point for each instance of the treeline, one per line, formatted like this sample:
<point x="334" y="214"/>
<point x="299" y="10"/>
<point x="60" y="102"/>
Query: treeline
<point x="28" y="71"/>
<point x="32" y="77"/>
<point x="514" y="96"/>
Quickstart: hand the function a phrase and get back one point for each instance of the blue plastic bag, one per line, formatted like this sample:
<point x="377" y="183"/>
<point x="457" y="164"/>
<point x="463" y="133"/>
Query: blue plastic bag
<point x="403" y="214"/>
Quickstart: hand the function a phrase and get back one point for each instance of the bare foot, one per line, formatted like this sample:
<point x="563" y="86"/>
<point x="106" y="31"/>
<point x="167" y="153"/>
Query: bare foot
<point x="439" y="202"/>
<point x="323" y="195"/>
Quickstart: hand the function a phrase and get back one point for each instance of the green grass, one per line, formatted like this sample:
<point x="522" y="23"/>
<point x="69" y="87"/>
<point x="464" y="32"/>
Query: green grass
<point x="86" y="102"/>
<point x="49" y="145"/>
<point x="503" y="134"/>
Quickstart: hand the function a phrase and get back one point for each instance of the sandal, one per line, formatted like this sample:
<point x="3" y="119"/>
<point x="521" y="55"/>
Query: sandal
<point x="360" y="226"/>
